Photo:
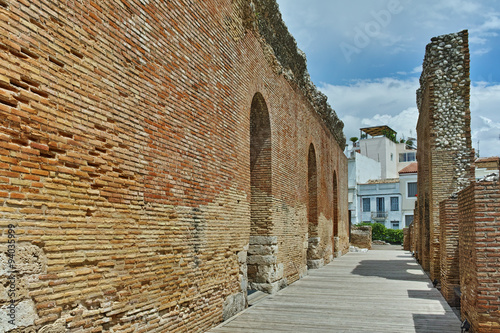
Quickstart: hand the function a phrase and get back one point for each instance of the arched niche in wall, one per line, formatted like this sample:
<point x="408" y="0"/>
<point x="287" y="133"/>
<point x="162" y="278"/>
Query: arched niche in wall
<point x="262" y="270"/>
<point x="314" y="259"/>
<point x="260" y="167"/>
<point x="335" y="204"/>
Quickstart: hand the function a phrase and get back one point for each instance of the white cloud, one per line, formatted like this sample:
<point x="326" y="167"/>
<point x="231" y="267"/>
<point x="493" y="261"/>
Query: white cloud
<point x="383" y="96"/>
<point x="481" y="51"/>
<point x="416" y="70"/>
<point x="459" y="7"/>
<point x="366" y="103"/>
<point x="391" y="102"/>
<point x="492" y="23"/>
<point x="486" y="136"/>
<point x="485" y="118"/>
<point x="374" y="26"/>
<point x="404" y="122"/>
<point x="481" y="34"/>
<point x="477" y="40"/>
<point x="394" y="48"/>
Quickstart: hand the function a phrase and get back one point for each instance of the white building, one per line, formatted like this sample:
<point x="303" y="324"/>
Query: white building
<point x="408" y="186"/>
<point x="485" y="166"/>
<point x="360" y="170"/>
<point x="380" y="202"/>
<point x="383" y="151"/>
<point x="382" y="179"/>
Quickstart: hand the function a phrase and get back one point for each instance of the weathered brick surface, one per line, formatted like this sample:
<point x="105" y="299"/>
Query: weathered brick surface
<point x="361" y="236"/>
<point x="406" y="239"/>
<point x="125" y="162"/>
<point x="479" y="238"/>
<point x="414" y="233"/>
<point x="450" y="272"/>
<point x="445" y="154"/>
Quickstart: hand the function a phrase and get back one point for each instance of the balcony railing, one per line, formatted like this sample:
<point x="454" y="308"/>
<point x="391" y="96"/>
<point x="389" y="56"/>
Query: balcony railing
<point x="379" y="216"/>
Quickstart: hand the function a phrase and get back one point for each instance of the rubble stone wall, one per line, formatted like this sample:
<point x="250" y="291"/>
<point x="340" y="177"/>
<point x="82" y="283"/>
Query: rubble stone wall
<point x="445" y="154"/>
<point x="125" y="134"/>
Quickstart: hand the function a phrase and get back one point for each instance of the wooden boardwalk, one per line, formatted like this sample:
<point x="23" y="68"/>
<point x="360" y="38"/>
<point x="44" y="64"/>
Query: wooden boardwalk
<point x="378" y="291"/>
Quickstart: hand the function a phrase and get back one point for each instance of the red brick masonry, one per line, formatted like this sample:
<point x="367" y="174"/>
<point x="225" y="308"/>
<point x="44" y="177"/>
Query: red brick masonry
<point x="479" y="228"/>
<point x="450" y="271"/>
<point x="125" y="165"/>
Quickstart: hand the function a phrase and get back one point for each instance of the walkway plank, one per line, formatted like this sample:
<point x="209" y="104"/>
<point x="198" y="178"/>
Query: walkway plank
<point x="378" y="291"/>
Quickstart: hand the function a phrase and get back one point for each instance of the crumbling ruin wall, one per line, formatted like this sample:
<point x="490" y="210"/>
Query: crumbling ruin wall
<point x="479" y="229"/>
<point x="444" y="142"/>
<point x="361" y="236"/>
<point x="128" y="136"/>
<point x="291" y="61"/>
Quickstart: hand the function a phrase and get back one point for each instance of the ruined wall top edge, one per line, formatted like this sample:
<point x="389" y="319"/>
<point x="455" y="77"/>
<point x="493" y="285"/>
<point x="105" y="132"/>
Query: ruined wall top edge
<point x="264" y="18"/>
<point x="445" y="74"/>
<point x="445" y="80"/>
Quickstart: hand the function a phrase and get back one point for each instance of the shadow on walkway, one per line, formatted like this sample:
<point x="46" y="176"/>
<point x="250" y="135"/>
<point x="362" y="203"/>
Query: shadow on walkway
<point x="394" y="269"/>
<point x="425" y="323"/>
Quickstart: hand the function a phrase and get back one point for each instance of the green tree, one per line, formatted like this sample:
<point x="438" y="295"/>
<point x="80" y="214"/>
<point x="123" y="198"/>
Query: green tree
<point x="390" y="135"/>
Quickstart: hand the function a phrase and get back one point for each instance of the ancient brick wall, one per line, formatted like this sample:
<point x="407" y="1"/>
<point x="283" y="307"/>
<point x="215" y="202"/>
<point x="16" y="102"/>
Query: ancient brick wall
<point x="450" y="272"/>
<point x="154" y="162"/>
<point x="414" y="233"/>
<point x="411" y="236"/>
<point x="406" y="239"/>
<point x="479" y="230"/>
<point x="443" y="129"/>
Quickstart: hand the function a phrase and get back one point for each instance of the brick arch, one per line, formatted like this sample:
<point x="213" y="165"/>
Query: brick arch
<point x="262" y="271"/>
<point x="313" y="255"/>
<point x="312" y="191"/>
<point x="260" y="167"/>
<point x="335" y="205"/>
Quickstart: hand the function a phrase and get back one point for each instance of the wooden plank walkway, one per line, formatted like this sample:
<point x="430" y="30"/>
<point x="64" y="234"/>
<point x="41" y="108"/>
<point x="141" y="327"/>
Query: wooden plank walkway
<point x="378" y="291"/>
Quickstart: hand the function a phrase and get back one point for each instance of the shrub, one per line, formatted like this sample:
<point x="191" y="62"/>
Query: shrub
<point x="394" y="236"/>
<point x="380" y="232"/>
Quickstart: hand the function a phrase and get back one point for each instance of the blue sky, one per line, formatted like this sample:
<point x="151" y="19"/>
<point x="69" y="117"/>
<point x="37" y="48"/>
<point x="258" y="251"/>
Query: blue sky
<point x="366" y="56"/>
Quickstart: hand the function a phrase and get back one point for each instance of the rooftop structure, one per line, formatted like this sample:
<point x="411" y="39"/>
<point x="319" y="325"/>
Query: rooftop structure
<point x="378" y="131"/>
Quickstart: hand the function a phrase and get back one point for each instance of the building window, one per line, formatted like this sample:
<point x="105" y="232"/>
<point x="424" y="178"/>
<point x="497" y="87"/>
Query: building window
<point x="366" y="204"/>
<point x="380" y="205"/>
<point x="392" y="157"/>
<point x="408" y="220"/>
<point x="412" y="190"/>
<point x="395" y="224"/>
<point x="394" y="204"/>
<point x="407" y="157"/>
